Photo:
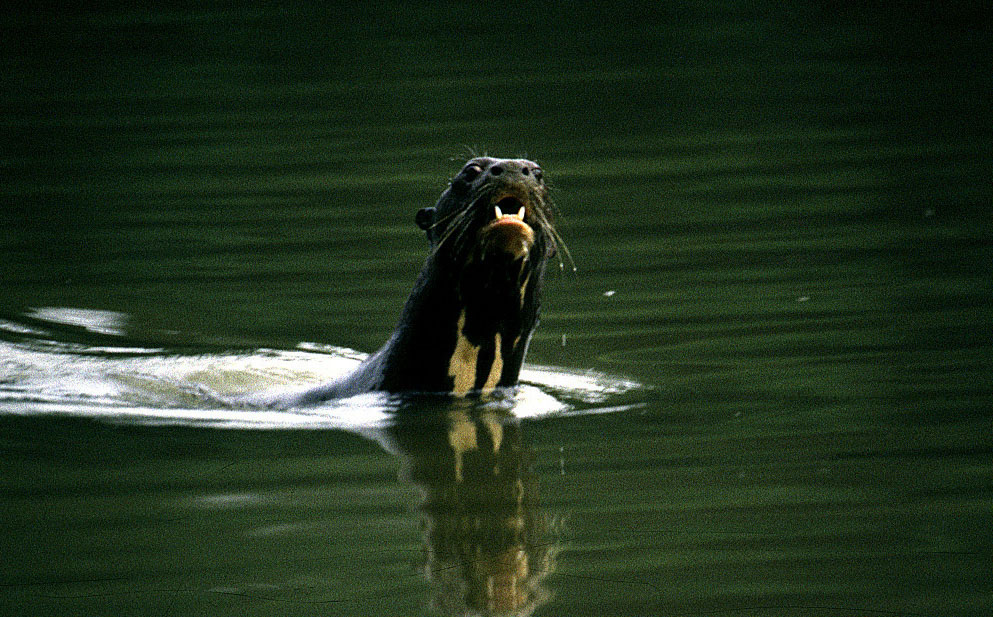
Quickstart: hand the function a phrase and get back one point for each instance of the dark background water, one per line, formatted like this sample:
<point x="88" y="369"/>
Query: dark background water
<point x="790" y="204"/>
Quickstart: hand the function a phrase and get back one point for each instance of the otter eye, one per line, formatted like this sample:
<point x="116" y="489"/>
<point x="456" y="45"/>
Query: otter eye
<point x="538" y="174"/>
<point x="471" y="171"/>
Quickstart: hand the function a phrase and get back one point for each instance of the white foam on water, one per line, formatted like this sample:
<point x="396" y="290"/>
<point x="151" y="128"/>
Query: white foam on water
<point x="137" y="385"/>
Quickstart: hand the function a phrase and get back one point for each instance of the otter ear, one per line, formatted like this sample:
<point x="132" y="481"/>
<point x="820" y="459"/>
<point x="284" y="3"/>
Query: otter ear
<point x="425" y="218"/>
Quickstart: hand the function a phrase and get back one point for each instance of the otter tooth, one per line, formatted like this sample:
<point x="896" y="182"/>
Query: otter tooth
<point x="500" y="215"/>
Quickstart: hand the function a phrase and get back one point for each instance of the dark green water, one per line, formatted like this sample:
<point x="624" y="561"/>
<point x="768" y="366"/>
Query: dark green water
<point x="780" y="219"/>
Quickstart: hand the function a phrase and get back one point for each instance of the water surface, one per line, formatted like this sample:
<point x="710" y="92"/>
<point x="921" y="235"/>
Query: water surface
<point x="763" y="391"/>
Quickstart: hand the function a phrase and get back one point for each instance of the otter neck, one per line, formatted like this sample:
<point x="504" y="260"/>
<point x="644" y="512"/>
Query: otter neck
<point x="463" y="332"/>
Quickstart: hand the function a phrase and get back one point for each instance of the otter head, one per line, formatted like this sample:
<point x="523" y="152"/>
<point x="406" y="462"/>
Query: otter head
<point x="495" y="206"/>
<point x="493" y="224"/>
<point x="491" y="235"/>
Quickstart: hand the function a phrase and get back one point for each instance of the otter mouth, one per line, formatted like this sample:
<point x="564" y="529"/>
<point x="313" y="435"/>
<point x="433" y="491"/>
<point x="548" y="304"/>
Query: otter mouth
<point x="507" y="233"/>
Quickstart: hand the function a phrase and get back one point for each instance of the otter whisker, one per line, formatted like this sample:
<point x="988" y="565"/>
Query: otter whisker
<point x="443" y="220"/>
<point x="456" y="227"/>
<point x="462" y="220"/>
<point x="557" y="241"/>
<point x="462" y="238"/>
<point x="457" y="215"/>
<point x="560" y="243"/>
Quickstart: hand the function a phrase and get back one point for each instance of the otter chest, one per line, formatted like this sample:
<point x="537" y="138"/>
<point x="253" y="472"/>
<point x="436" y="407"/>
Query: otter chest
<point x="475" y="367"/>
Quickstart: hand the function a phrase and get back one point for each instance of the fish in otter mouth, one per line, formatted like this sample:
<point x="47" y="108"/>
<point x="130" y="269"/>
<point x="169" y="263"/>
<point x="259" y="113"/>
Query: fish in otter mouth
<point x="466" y="326"/>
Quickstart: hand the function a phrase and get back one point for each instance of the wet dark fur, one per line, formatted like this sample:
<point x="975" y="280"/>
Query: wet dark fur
<point x="458" y="275"/>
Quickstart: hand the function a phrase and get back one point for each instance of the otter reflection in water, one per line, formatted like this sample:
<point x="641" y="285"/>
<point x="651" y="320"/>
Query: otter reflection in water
<point x="486" y="550"/>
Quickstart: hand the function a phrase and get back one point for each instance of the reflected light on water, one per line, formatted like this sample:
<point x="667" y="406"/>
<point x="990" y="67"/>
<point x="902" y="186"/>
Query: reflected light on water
<point x="111" y="323"/>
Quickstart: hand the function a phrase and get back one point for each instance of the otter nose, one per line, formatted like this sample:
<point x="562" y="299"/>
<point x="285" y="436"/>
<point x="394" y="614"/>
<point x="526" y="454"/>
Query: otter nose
<point x="516" y="170"/>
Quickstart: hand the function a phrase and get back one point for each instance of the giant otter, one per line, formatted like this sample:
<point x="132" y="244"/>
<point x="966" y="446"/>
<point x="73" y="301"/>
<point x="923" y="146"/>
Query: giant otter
<point x="468" y="321"/>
